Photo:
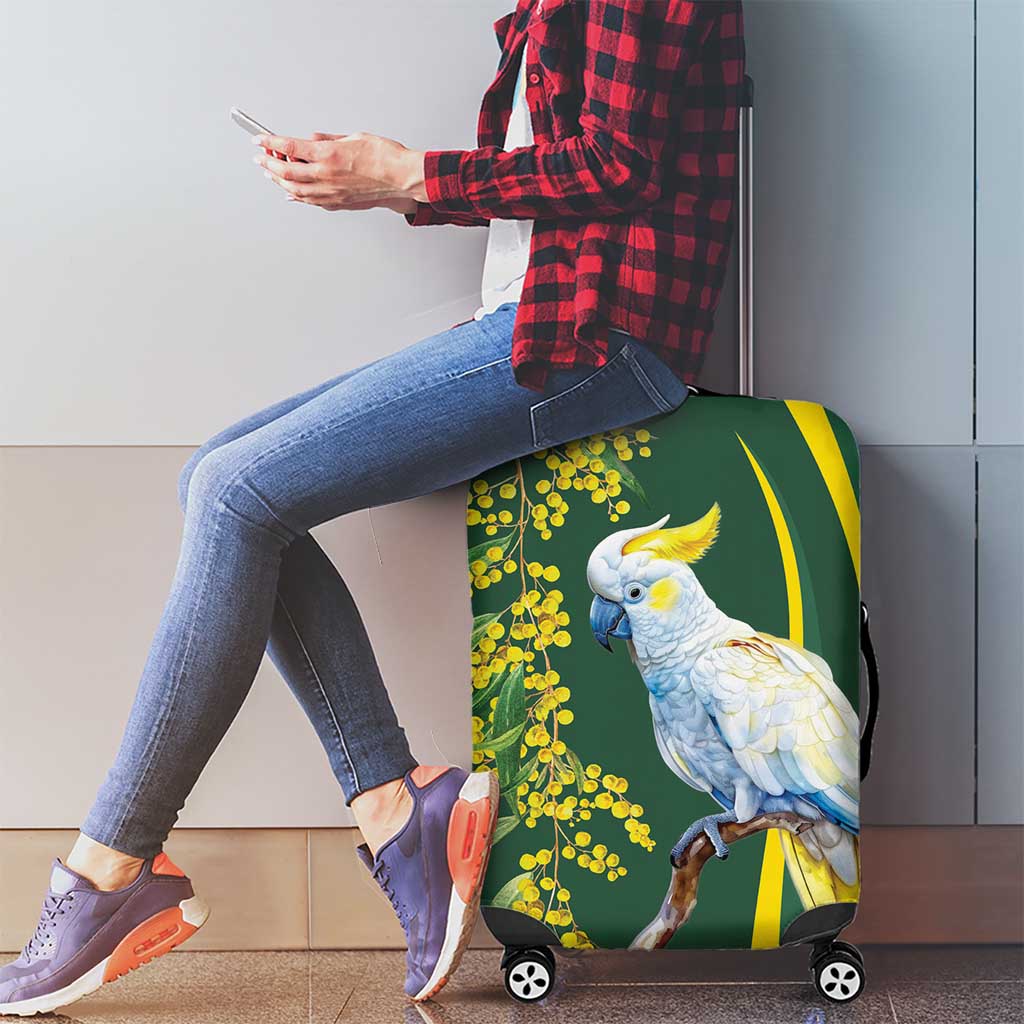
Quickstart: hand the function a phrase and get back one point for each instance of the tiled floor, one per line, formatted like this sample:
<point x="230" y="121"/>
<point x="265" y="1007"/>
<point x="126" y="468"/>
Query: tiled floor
<point x="906" y="985"/>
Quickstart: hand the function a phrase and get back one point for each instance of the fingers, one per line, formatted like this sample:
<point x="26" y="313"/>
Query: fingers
<point x="288" y="171"/>
<point x="302" y="189"/>
<point x="326" y="137"/>
<point x="293" y="149"/>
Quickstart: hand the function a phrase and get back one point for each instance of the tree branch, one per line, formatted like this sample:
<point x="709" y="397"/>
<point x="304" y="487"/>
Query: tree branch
<point x="681" y="897"/>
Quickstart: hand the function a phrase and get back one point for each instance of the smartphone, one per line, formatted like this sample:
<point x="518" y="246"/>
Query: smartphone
<point x="253" y="127"/>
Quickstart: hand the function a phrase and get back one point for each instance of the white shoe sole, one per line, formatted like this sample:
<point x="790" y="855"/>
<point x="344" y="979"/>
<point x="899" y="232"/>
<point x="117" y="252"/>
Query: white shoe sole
<point x="191" y="915"/>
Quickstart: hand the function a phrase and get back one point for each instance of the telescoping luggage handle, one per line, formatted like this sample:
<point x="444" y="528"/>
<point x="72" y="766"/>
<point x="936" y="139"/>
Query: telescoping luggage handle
<point x="745" y="227"/>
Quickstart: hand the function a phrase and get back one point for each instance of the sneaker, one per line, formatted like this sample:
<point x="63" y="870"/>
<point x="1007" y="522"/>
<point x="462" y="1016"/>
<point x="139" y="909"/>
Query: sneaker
<point x="86" y="938"/>
<point x="432" y="871"/>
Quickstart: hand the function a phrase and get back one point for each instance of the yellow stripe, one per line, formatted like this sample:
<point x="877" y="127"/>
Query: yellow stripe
<point x="817" y="431"/>
<point x="768" y="911"/>
<point x="789" y="566"/>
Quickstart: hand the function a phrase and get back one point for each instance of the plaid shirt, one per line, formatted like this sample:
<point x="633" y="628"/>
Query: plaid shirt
<point x="630" y="181"/>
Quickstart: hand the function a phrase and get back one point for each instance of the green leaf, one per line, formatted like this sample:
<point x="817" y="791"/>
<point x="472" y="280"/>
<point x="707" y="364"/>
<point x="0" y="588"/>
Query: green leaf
<point x="505" y="825"/>
<point x="509" y="892"/>
<point x="629" y="479"/>
<point x="503" y="741"/>
<point x="509" y="714"/>
<point x="523" y="775"/>
<point x="577" y="768"/>
<point x="480" y="550"/>
<point x="482" y="698"/>
<point x="480" y="624"/>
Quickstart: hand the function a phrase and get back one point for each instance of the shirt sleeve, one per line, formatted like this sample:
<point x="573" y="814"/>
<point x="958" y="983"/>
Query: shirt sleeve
<point x="636" y="58"/>
<point x="425" y="215"/>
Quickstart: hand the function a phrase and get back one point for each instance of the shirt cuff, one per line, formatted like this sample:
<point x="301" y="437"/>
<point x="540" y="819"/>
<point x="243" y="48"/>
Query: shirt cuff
<point x="423" y="215"/>
<point x="443" y="181"/>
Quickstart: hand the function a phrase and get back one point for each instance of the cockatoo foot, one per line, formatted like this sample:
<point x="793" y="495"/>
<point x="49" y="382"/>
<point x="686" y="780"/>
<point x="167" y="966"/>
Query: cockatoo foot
<point x="709" y="826"/>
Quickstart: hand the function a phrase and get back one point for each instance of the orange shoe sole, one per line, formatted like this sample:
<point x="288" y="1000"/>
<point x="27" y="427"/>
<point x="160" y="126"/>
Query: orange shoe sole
<point x="470" y="830"/>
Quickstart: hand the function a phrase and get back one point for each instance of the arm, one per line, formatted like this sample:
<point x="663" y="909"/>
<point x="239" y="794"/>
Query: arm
<point x="634" y="55"/>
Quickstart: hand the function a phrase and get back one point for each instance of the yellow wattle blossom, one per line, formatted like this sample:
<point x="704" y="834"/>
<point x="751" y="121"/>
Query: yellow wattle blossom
<point x="552" y="788"/>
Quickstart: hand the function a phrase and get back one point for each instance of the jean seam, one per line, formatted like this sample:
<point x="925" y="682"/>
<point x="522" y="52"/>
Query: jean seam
<point x="477" y="369"/>
<point x="325" y="428"/>
<point x="154" y="748"/>
<point x="323" y="694"/>
<point x="539" y="438"/>
<point x="647" y="384"/>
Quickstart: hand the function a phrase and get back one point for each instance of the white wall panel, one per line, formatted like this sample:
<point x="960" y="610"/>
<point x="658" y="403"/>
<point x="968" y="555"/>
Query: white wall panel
<point x="154" y="285"/>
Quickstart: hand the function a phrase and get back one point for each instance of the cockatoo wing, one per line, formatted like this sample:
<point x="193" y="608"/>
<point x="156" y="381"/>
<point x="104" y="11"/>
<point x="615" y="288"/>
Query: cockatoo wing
<point x="674" y="753"/>
<point x="790" y="727"/>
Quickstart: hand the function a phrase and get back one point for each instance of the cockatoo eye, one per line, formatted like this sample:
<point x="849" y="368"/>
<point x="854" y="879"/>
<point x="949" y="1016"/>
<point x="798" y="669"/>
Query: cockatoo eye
<point x="634" y="592"/>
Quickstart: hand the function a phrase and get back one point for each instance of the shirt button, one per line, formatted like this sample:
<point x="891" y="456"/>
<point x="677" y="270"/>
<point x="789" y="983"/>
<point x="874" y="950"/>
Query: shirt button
<point x="534" y="78"/>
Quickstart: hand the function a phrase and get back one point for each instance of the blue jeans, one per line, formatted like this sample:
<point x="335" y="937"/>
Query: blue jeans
<point x="250" y="577"/>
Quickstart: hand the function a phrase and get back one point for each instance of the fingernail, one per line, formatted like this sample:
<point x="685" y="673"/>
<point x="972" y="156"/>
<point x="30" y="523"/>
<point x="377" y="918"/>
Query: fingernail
<point x="257" y="159"/>
<point x="267" y="174"/>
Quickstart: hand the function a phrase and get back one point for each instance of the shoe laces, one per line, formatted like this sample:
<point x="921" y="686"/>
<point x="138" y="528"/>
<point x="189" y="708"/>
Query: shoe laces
<point x="53" y="907"/>
<point x="383" y="876"/>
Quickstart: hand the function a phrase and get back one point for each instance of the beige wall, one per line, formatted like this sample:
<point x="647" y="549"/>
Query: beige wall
<point x="299" y="888"/>
<point x="90" y="540"/>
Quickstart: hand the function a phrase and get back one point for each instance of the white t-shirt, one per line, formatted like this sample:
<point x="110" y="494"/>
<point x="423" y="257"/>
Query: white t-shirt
<point x="508" y="241"/>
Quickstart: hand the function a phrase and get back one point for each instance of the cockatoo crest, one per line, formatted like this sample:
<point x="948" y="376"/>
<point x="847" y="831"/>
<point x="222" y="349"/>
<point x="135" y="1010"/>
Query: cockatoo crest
<point x="687" y="543"/>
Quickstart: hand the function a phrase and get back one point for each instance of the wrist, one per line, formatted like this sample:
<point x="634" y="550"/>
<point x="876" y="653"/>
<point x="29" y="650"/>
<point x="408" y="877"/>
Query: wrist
<point x="410" y="175"/>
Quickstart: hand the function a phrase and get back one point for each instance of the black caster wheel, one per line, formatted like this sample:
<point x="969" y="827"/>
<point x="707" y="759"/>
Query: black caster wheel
<point x="849" y="947"/>
<point x="530" y="974"/>
<point x="839" y="974"/>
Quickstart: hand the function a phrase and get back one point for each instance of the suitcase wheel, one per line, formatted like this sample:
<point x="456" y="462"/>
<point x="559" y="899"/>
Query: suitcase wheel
<point x="529" y="973"/>
<point x="838" y="972"/>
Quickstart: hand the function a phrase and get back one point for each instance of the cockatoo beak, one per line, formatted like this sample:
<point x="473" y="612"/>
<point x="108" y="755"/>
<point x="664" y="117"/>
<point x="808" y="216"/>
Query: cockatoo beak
<point x="608" y="619"/>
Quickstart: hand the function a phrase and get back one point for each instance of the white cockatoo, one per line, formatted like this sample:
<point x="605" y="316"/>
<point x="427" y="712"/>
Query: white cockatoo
<point x="753" y="720"/>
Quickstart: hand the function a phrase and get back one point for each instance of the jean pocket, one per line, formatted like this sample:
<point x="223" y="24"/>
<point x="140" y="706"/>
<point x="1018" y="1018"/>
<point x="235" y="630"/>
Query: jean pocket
<point x="615" y="395"/>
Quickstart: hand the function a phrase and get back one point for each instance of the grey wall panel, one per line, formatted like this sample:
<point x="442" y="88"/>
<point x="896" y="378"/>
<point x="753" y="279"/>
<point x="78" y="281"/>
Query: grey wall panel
<point x="918" y="579"/>
<point x="1000" y="312"/>
<point x="722" y="364"/>
<point x="1001" y="636"/>
<point x="154" y="285"/>
<point x="864" y="211"/>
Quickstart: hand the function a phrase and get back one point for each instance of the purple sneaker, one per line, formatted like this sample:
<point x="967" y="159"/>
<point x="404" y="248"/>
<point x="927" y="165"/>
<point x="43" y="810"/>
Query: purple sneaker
<point x="86" y="938"/>
<point x="433" y="869"/>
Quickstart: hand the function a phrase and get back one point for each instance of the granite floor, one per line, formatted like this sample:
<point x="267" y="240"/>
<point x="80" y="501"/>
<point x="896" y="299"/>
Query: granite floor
<point x="906" y="985"/>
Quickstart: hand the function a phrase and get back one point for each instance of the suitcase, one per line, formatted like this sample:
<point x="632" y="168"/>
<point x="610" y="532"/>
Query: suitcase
<point x="666" y="648"/>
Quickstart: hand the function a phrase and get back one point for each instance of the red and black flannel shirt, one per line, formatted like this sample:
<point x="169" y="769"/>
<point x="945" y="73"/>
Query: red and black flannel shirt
<point x="630" y="181"/>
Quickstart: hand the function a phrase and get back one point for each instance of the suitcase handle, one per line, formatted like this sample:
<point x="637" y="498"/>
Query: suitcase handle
<point x="745" y="250"/>
<point x="867" y="732"/>
<point x="745" y="223"/>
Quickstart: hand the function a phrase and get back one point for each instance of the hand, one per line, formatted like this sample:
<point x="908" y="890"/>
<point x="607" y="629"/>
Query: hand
<point x="345" y="172"/>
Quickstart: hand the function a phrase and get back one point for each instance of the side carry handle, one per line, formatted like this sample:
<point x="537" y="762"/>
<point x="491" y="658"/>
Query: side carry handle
<point x="867" y="732"/>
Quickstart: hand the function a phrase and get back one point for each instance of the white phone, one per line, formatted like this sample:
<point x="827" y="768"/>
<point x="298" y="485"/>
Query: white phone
<point x="251" y="125"/>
